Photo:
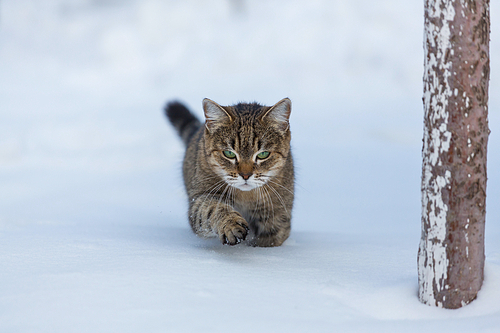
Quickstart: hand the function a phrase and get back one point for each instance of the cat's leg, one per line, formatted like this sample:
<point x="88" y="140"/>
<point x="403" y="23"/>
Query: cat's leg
<point x="270" y="230"/>
<point x="213" y="217"/>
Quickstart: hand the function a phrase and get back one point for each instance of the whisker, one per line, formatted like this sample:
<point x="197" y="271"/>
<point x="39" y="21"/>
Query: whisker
<point x="276" y="183"/>
<point x="211" y="189"/>
<point x="220" y="199"/>
<point x="212" y="192"/>
<point x="271" y="202"/>
<point x="279" y="197"/>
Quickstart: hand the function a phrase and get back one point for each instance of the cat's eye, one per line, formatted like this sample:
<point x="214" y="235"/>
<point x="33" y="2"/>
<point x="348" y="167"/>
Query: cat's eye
<point x="263" y="155"/>
<point x="229" y="154"/>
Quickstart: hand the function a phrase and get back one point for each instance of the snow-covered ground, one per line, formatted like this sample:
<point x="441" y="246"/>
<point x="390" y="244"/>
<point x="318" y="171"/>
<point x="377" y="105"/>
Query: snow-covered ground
<point x="93" y="229"/>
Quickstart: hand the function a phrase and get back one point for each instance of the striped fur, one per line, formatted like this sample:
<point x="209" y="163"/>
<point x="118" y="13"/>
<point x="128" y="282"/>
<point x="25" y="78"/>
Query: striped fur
<point x="183" y="120"/>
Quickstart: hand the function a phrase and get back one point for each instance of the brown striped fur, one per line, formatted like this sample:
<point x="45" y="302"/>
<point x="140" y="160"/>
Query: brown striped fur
<point x="230" y="197"/>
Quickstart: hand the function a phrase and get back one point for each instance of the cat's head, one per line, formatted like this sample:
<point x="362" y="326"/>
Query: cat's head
<point x="247" y="144"/>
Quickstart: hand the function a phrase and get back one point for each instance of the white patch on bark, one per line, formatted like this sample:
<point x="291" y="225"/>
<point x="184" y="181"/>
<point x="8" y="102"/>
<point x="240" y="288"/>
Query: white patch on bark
<point x="432" y="261"/>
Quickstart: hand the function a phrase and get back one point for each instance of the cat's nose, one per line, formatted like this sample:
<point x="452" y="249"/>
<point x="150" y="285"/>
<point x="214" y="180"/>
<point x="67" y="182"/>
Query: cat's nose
<point x="245" y="175"/>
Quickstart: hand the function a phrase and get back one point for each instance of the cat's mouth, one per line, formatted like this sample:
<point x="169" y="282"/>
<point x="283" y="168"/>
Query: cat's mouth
<point x="246" y="187"/>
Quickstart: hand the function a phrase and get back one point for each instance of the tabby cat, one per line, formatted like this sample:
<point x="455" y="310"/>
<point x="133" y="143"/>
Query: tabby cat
<point x="238" y="170"/>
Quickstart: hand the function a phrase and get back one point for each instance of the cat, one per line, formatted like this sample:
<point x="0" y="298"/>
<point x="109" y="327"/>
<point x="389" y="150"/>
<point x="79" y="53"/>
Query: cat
<point x="238" y="170"/>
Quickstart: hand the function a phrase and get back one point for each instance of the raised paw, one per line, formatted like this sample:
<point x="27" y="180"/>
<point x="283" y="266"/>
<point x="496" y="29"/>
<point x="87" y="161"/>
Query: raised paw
<point x="233" y="230"/>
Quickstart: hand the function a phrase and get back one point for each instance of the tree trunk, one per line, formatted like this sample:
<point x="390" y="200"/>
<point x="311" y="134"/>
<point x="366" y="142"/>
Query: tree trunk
<point x="456" y="76"/>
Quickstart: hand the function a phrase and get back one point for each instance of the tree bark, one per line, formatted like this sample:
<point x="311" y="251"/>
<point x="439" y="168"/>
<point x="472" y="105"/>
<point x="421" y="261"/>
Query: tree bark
<point x="456" y="76"/>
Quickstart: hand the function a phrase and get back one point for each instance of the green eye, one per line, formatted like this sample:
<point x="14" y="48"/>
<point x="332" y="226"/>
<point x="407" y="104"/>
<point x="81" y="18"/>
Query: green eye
<point x="229" y="154"/>
<point x="263" y="155"/>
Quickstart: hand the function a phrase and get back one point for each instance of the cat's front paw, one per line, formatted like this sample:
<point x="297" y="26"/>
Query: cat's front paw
<point x="233" y="230"/>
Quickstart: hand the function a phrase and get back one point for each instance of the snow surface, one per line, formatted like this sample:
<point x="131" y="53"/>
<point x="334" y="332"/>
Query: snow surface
<point x="93" y="229"/>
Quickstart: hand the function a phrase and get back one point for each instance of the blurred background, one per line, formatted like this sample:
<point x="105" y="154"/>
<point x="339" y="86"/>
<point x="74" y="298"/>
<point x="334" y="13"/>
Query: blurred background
<point x="83" y="139"/>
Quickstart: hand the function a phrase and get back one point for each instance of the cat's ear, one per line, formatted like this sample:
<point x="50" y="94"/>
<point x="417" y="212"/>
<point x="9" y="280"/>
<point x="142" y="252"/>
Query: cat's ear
<point x="215" y="114"/>
<point x="279" y="113"/>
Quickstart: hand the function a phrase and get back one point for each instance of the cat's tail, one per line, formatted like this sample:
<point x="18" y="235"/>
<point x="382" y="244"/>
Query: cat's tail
<point x="183" y="120"/>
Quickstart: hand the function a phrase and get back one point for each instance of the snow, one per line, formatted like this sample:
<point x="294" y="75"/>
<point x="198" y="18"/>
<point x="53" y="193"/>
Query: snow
<point x="93" y="228"/>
